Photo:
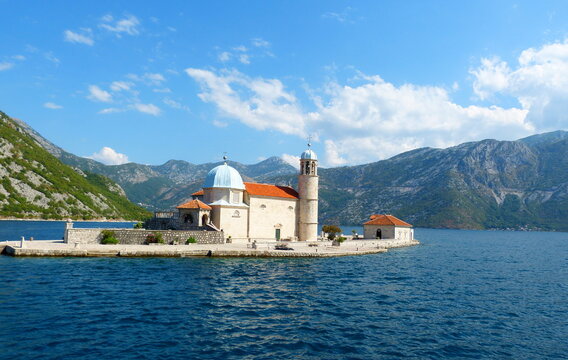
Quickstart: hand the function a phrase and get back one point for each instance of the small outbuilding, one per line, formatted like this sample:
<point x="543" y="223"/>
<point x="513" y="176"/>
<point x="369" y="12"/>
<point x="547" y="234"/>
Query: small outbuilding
<point x="382" y="226"/>
<point x="194" y="213"/>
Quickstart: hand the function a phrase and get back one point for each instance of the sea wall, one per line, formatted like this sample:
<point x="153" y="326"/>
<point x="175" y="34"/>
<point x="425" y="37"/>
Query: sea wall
<point x="381" y="244"/>
<point x="138" y="236"/>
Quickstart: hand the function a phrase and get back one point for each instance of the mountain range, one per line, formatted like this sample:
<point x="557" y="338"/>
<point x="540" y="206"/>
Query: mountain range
<point x="486" y="184"/>
<point x="35" y="184"/>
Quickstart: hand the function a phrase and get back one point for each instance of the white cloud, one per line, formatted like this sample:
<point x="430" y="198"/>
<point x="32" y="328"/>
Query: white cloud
<point x="98" y="94"/>
<point x="174" y="104"/>
<point x="244" y="54"/>
<point x="109" y="156"/>
<point x="128" y="25"/>
<point x="244" y="59"/>
<point x="110" y="111"/>
<point x="19" y="57"/>
<point x="539" y="82"/>
<point x="265" y="106"/>
<point x="224" y="56"/>
<point x="259" y="42"/>
<point x="51" y="57"/>
<point x="6" y="66"/>
<point x="50" y="105"/>
<point x="120" y="85"/>
<point x="74" y="37"/>
<point x="162" y="90"/>
<point x="362" y="123"/>
<point x="292" y="160"/>
<point x="147" y="109"/>
<point x="220" y="124"/>
<point x="343" y="17"/>
<point x="154" y="79"/>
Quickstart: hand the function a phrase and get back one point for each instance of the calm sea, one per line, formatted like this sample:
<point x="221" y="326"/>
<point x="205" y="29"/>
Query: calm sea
<point x="461" y="294"/>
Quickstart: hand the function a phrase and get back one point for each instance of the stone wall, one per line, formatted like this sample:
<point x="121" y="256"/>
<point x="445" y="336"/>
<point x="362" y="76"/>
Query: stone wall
<point x="138" y="236"/>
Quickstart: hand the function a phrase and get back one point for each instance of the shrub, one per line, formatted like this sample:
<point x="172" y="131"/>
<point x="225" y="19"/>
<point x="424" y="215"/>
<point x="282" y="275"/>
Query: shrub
<point x="108" y="237"/>
<point x="154" y="239"/>
<point x="191" y="240"/>
<point x="341" y="239"/>
<point x="139" y="225"/>
<point x="331" y="231"/>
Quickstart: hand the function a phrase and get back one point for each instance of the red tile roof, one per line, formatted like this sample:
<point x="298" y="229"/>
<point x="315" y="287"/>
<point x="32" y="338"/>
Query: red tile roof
<point x="197" y="193"/>
<point x="386" y="220"/>
<point x="271" y="190"/>
<point x="194" y="204"/>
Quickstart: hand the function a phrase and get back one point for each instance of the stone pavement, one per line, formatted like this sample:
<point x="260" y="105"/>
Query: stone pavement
<point x="300" y="249"/>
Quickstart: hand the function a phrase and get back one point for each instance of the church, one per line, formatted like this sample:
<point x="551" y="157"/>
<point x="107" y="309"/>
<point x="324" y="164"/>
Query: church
<point x="247" y="211"/>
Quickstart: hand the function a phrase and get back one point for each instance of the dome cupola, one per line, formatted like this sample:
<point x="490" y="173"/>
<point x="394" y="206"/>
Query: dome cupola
<point x="224" y="176"/>
<point x="309" y="154"/>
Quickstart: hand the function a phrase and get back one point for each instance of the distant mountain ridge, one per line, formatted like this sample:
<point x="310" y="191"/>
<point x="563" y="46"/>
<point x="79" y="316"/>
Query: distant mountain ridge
<point x="519" y="184"/>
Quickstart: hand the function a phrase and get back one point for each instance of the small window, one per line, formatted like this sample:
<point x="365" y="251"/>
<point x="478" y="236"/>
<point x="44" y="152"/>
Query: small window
<point x="236" y="214"/>
<point x="235" y="198"/>
<point x="262" y="207"/>
<point x="291" y="208"/>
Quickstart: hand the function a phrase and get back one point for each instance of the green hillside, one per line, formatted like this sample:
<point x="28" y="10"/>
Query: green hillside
<point x="35" y="184"/>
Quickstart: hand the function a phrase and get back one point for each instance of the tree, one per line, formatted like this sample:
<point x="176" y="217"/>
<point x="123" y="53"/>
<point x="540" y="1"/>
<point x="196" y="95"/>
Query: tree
<point x="331" y="231"/>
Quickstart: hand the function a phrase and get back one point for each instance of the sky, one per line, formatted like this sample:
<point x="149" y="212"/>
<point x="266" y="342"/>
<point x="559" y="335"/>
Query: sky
<point x="146" y="82"/>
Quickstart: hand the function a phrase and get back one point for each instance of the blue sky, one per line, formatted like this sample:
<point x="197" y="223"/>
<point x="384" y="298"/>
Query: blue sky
<point x="148" y="82"/>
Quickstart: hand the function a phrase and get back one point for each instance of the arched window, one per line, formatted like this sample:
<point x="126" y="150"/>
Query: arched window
<point x="262" y="207"/>
<point x="236" y="214"/>
<point x="188" y="219"/>
<point x="291" y="208"/>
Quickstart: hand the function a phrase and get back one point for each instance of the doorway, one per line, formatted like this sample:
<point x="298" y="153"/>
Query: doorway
<point x="379" y="234"/>
<point x="277" y="234"/>
<point x="204" y="220"/>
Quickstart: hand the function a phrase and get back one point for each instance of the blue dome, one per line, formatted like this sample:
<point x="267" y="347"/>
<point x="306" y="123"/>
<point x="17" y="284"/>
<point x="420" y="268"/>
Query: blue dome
<point x="309" y="155"/>
<point x="224" y="176"/>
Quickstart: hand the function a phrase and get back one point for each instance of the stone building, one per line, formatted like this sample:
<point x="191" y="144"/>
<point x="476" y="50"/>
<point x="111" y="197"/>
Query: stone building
<point x="247" y="211"/>
<point x="387" y="227"/>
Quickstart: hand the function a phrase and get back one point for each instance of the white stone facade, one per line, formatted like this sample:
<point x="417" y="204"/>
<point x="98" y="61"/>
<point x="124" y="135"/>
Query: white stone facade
<point x="388" y="232"/>
<point x="270" y="214"/>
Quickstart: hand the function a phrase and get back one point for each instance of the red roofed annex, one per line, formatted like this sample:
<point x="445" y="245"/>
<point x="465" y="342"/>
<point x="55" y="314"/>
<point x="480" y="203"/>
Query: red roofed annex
<point x="384" y="226"/>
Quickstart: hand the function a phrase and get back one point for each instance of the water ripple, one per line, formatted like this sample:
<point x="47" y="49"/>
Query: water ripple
<point x="462" y="294"/>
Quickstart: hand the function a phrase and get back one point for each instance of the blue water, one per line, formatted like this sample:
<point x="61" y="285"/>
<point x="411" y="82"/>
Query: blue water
<point x="48" y="230"/>
<point x="461" y="294"/>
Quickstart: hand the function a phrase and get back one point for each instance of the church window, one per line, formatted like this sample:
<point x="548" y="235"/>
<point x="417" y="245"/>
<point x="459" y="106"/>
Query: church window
<point x="236" y="214"/>
<point x="188" y="219"/>
<point x="291" y="208"/>
<point x="262" y="207"/>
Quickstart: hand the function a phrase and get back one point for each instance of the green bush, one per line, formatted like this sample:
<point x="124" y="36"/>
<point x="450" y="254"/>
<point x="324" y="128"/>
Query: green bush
<point x="154" y="239"/>
<point x="331" y="231"/>
<point x="108" y="237"/>
<point x="139" y="225"/>
<point x="191" y="240"/>
<point x="341" y="239"/>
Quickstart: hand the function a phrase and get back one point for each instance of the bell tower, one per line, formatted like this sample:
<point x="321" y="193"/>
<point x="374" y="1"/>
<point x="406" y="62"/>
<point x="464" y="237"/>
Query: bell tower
<point x="308" y="191"/>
